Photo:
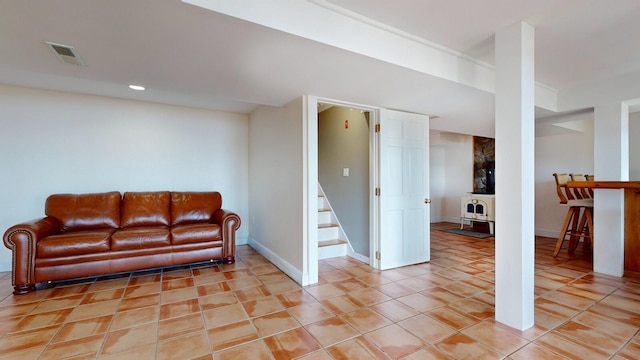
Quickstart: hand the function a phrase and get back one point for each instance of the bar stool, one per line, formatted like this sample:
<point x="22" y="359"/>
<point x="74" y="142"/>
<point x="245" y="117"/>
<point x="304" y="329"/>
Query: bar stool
<point x="578" y="222"/>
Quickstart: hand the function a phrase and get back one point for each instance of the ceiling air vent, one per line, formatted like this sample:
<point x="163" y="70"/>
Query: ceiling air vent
<point x="67" y="54"/>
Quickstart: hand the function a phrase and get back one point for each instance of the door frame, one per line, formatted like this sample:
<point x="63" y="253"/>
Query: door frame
<point x="310" y="271"/>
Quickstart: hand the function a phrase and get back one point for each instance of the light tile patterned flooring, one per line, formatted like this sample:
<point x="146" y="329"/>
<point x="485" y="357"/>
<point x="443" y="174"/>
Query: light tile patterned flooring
<point x="251" y="310"/>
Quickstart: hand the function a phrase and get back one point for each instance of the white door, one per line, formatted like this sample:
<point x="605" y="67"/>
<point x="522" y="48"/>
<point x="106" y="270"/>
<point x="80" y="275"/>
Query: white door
<point x="403" y="203"/>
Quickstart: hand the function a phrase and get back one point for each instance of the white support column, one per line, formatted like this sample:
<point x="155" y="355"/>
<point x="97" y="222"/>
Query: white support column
<point x="611" y="162"/>
<point x="515" y="208"/>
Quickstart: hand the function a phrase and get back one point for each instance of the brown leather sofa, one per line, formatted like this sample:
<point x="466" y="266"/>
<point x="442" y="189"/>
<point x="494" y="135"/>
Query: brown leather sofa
<point x="86" y="235"/>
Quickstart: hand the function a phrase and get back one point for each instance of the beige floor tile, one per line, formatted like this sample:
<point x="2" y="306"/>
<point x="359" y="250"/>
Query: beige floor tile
<point x="213" y="288"/>
<point x="592" y="336"/>
<point x="461" y="346"/>
<point x="180" y="308"/>
<point x="262" y="306"/>
<point x="279" y="287"/>
<point x="369" y="296"/>
<point x="132" y="318"/>
<point x="178" y="326"/>
<point x="255" y="350"/>
<point x="357" y="348"/>
<point x="310" y="313"/>
<point x="25" y="340"/>
<point x="318" y="355"/>
<point x="394" y="289"/>
<point x="40" y="320"/>
<point x="139" y="302"/>
<point x="125" y="339"/>
<point x="349" y="285"/>
<point x="291" y="344"/>
<point x="533" y="351"/>
<point x="495" y="337"/>
<point x="295" y="298"/>
<point x="325" y="291"/>
<point x="142" y="290"/>
<point x="449" y="315"/>
<point x="86" y="311"/>
<point x="270" y="324"/>
<point x="83" y="328"/>
<point x="217" y="300"/>
<point x="236" y="274"/>
<point x="100" y="296"/>
<point x="394" y="341"/>
<point x="252" y="293"/>
<point x="139" y="352"/>
<point x="427" y="329"/>
<point x="570" y="348"/>
<point x="366" y="320"/>
<point x="271" y="277"/>
<point x="606" y="325"/>
<point x="184" y="347"/>
<point x="342" y="304"/>
<point x="331" y="331"/>
<point x="224" y="315"/>
<point x="475" y="308"/>
<point x="394" y="310"/>
<point x="231" y="335"/>
<point x="171" y="296"/>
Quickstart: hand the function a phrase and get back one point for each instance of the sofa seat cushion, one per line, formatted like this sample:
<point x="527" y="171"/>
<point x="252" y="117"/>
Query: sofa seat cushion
<point x="140" y="238"/>
<point x="195" y="233"/>
<point x="74" y="243"/>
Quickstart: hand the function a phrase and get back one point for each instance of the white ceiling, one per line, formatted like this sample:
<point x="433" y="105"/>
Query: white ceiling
<point x="186" y="55"/>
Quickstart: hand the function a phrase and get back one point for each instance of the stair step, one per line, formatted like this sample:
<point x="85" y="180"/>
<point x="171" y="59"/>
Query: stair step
<point x="329" y="225"/>
<point x="331" y="242"/>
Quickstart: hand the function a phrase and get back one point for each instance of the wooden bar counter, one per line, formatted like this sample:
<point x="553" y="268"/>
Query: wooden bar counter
<point x="631" y="216"/>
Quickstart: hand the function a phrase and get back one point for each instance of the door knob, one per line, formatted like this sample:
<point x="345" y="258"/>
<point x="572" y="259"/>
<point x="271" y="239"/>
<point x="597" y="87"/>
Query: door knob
<point x="427" y="201"/>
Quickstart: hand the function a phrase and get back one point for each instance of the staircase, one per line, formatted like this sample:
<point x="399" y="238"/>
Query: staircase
<point x="331" y="239"/>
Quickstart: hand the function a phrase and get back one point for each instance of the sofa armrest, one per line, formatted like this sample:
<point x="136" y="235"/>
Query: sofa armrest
<point x="229" y="222"/>
<point x="21" y="239"/>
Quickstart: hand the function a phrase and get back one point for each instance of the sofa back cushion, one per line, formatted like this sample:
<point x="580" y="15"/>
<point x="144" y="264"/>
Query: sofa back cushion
<point x="85" y="211"/>
<point x="145" y="209"/>
<point x="194" y="207"/>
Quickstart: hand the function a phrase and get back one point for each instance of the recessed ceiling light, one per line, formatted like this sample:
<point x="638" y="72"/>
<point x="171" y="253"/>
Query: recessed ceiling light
<point x="136" y="87"/>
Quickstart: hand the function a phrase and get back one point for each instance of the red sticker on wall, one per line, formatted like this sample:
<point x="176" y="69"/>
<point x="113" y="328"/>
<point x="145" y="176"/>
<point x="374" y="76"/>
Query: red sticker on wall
<point x="346" y="124"/>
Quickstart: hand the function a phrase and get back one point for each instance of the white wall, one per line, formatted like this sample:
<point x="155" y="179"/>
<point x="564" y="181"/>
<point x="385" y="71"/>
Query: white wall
<point x="562" y="153"/>
<point x="451" y="173"/>
<point x="634" y="146"/>
<point x="56" y="142"/>
<point x="276" y="228"/>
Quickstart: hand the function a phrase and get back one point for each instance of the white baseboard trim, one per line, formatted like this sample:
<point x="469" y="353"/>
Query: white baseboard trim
<point x="547" y="233"/>
<point x="276" y="260"/>
<point x="355" y="255"/>
<point x="446" y="219"/>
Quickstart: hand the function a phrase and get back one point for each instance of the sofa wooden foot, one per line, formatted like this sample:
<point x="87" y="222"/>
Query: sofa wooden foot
<point x="229" y="260"/>
<point x="23" y="289"/>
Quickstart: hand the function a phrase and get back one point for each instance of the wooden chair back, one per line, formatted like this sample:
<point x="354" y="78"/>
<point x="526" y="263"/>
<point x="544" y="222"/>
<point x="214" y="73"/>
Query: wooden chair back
<point x="561" y="188"/>
<point x="580" y="193"/>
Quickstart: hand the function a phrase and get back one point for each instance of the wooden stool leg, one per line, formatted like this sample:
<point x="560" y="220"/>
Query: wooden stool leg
<point x="563" y="231"/>
<point x="574" y="234"/>
<point x="579" y="232"/>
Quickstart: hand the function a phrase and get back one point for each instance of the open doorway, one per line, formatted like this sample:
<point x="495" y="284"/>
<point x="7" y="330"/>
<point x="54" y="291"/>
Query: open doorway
<point x="398" y="188"/>
<point x="344" y="173"/>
